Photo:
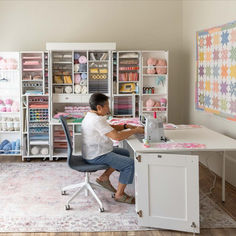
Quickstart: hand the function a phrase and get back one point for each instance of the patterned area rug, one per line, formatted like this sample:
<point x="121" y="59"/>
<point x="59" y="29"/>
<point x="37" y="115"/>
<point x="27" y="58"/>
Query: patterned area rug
<point x="31" y="201"/>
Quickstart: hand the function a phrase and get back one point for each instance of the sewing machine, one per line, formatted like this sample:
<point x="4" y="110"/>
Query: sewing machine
<point x="154" y="130"/>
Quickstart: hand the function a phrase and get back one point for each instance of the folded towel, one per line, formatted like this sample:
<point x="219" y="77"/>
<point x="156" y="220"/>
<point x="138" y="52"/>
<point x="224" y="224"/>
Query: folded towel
<point x="7" y="148"/>
<point x="3" y="143"/>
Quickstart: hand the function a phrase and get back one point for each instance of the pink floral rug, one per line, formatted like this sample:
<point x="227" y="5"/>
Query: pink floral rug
<point x="31" y="201"/>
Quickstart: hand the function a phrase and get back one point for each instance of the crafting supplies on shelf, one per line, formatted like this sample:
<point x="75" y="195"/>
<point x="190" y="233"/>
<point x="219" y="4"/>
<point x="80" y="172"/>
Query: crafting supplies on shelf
<point x="80" y="72"/>
<point x="59" y="140"/>
<point x="128" y="72"/>
<point x="46" y="70"/>
<point x="155" y="83"/>
<point x="38" y="115"/>
<point x="9" y="122"/>
<point x="10" y="146"/>
<point x="10" y="116"/>
<point x="62" y="72"/>
<point x="35" y="122"/>
<point x="131" y="76"/>
<point x="114" y="72"/>
<point x="123" y="105"/>
<point x="98" y="72"/>
<point x="128" y="88"/>
<point x="73" y="113"/>
<point x="32" y="72"/>
<point x="38" y="109"/>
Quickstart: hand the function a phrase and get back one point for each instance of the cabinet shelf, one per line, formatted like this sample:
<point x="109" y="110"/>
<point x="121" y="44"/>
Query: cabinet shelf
<point x="62" y="62"/>
<point x="154" y="67"/>
<point x="39" y="143"/>
<point x="32" y="58"/>
<point x="154" y="75"/>
<point x="10" y="112"/>
<point x="132" y="81"/>
<point x="10" y="132"/>
<point x="155" y="94"/>
<point x="125" y="71"/>
<point x="31" y="69"/>
<point x="8" y="71"/>
<point x="32" y="80"/>
<point x="98" y="61"/>
<point x="61" y="84"/>
<point x="155" y="111"/>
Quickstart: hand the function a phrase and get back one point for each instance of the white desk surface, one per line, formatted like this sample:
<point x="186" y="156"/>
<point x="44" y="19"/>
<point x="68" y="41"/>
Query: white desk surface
<point x="214" y="141"/>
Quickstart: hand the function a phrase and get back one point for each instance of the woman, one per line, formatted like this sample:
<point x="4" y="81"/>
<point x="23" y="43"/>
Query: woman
<point x="97" y="146"/>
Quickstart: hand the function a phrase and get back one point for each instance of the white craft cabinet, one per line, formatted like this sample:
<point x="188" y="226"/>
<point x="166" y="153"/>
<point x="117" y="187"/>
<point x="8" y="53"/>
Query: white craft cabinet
<point x="154" y="84"/>
<point x="35" y="103"/>
<point x="126" y="74"/>
<point x="66" y="76"/>
<point x="76" y="72"/>
<point x="10" y="111"/>
<point x="140" y="83"/>
<point x="80" y="71"/>
<point x="167" y="191"/>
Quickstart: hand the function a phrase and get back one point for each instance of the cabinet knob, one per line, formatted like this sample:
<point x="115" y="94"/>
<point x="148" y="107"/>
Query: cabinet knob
<point x="159" y="156"/>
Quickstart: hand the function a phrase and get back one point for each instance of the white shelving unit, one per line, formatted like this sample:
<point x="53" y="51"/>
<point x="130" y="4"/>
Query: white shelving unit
<point x="45" y="84"/>
<point x="131" y="93"/>
<point x="126" y="67"/>
<point x="154" y="84"/>
<point x="10" y="115"/>
<point x="35" y="104"/>
<point x="76" y="71"/>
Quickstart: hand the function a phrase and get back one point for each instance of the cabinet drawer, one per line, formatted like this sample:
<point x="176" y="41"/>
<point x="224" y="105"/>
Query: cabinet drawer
<point x="70" y="98"/>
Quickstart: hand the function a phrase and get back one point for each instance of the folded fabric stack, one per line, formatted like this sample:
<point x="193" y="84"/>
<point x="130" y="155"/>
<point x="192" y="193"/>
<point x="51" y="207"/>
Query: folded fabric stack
<point x="77" y="111"/>
<point x="123" y="105"/>
<point x="10" y="147"/>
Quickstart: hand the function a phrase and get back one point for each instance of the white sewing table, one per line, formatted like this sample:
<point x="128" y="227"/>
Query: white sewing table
<point x="167" y="181"/>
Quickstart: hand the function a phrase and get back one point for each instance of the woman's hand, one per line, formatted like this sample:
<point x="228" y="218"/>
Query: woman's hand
<point x="131" y="126"/>
<point x="139" y="130"/>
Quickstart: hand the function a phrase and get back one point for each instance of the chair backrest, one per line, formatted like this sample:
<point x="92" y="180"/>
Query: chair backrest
<point x="68" y="137"/>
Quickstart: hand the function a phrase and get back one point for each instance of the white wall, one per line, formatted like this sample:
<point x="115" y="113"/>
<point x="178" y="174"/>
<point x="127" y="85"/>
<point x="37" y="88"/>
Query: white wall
<point x="151" y="25"/>
<point x="199" y="15"/>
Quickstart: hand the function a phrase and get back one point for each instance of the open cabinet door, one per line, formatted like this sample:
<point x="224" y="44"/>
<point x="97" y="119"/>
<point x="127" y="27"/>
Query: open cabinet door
<point x="167" y="191"/>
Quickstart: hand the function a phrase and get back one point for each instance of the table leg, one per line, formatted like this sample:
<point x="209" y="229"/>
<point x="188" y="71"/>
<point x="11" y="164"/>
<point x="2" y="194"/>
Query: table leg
<point x="223" y="178"/>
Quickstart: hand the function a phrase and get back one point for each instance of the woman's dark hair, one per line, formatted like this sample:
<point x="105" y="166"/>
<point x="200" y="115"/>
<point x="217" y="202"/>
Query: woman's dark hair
<point x="97" y="99"/>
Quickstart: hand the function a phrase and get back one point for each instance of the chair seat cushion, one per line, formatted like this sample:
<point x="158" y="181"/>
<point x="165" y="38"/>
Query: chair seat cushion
<point x="80" y="164"/>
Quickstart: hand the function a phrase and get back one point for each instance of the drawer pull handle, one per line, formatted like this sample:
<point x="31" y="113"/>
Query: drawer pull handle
<point x="159" y="156"/>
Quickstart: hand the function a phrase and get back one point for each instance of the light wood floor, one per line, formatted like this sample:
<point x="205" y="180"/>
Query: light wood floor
<point x="205" y="183"/>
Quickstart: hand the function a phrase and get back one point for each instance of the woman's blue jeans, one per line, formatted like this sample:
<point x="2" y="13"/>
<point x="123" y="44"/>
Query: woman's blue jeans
<point x="120" y="160"/>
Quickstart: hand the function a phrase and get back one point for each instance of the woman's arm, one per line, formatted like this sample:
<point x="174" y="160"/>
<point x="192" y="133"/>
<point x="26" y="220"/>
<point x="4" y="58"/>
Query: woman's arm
<point x="117" y="127"/>
<point x="121" y="127"/>
<point x="121" y="135"/>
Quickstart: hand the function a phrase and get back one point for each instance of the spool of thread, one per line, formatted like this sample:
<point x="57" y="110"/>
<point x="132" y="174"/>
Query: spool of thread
<point x="154" y="114"/>
<point x="82" y="60"/>
<point x="44" y="151"/>
<point x="145" y="143"/>
<point x="83" y="82"/>
<point x="83" y="76"/>
<point x="68" y="89"/>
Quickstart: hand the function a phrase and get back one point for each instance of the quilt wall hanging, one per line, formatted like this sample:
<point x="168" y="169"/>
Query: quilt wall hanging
<point x="216" y="70"/>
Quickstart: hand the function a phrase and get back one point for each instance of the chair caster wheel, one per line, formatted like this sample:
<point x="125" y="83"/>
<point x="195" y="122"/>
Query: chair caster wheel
<point x="101" y="209"/>
<point x="67" y="207"/>
<point x="113" y="195"/>
<point x="63" y="192"/>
